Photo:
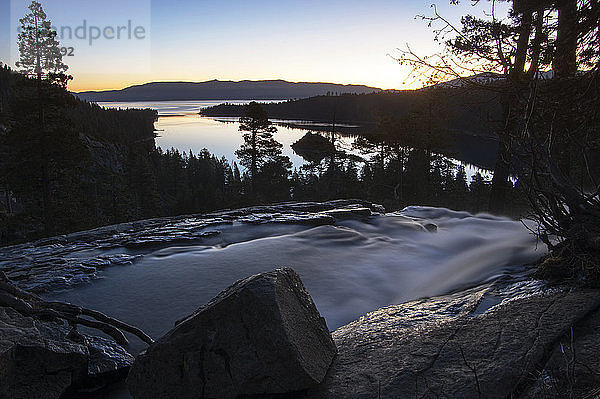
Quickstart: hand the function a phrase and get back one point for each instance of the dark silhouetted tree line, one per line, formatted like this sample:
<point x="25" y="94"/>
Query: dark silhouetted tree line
<point x="101" y="166"/>
<point x="473" y="115"/>
<point x="192" y="183"/>
<point x="401" y="163"/>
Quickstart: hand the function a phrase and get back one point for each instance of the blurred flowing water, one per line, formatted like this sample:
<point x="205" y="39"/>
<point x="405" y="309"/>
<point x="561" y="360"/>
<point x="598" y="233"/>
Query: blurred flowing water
<point x="351" y="258"/>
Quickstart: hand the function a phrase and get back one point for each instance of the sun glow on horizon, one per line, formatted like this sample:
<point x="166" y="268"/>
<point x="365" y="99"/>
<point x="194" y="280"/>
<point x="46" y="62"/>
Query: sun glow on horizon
<point x="100" y="83"/>
<point x="347" y="42"/>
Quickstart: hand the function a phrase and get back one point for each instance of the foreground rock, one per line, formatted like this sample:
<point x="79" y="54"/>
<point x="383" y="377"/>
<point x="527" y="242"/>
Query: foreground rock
<point x="37" y="360"/>
<point x="261" y="335"/>
<point x="469" y="345"/>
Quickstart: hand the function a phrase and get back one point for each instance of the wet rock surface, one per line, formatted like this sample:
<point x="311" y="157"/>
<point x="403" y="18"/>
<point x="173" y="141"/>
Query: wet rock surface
<point x="37" y="360"/>
<point x="458" y="349"/>
<point x="261" y="335"/>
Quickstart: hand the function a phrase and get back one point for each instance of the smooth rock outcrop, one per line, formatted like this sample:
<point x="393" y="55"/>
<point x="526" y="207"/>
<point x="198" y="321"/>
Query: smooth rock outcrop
<point x="37" y="360"/>
<point x="261" y="335"/>
<point x="474" y="344"/>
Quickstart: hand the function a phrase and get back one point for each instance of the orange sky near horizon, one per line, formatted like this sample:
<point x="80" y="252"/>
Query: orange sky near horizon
<point x="345" y="42"/>
<point x="102" y="82"/>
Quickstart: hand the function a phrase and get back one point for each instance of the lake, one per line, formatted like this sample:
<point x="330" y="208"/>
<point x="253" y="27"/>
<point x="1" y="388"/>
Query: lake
<point x="180" y="126"/>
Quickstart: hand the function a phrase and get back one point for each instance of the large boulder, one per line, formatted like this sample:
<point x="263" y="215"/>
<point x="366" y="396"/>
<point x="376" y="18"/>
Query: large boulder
<point x="262" y="335"/>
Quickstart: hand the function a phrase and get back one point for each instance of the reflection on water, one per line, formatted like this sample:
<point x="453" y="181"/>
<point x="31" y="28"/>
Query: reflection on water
<point x="181" y="127"/>
<point x="194" y="132"/>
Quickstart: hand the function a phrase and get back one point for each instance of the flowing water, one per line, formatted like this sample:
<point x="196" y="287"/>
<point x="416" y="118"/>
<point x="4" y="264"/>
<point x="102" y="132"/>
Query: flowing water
<point x="352" y="259"/>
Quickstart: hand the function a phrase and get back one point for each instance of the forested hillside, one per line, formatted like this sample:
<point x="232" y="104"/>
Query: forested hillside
<point x="87" y="166"/>
<point x="470" y="111"/>
<point x="74" y="172"/>
<point x="472" y="116"/>
<point x="83" y="166"/>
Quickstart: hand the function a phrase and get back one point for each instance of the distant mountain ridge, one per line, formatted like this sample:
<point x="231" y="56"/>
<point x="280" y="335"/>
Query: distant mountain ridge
<point x="223" y="90"/>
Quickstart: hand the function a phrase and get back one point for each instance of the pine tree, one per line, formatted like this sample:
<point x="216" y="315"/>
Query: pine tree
<point x="259" y="148"/>
<point x="39" y="49"/>
<point x="479" y="190"/>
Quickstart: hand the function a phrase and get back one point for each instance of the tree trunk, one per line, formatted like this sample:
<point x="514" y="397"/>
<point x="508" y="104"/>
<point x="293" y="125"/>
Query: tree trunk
<point x="253" y="165"/>
<point x="565" y="66"/>
<point x="565" y="57"/>
<point x="518" y="69"/>
<point x="536" y="45"/>
<point x="497" y="204"/>
<point x="510" y="103"/>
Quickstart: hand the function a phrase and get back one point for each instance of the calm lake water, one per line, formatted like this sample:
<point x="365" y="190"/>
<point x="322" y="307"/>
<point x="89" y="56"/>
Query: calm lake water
<point x="179" y="126"/>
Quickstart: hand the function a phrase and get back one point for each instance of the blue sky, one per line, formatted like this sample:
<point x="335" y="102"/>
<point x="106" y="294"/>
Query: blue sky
<point x="4" y="29"/>
<point x="329" y="40"/>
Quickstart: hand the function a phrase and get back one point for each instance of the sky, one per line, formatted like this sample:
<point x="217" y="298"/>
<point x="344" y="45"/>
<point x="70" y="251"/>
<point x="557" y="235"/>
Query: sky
<point x="113" y="44"/>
